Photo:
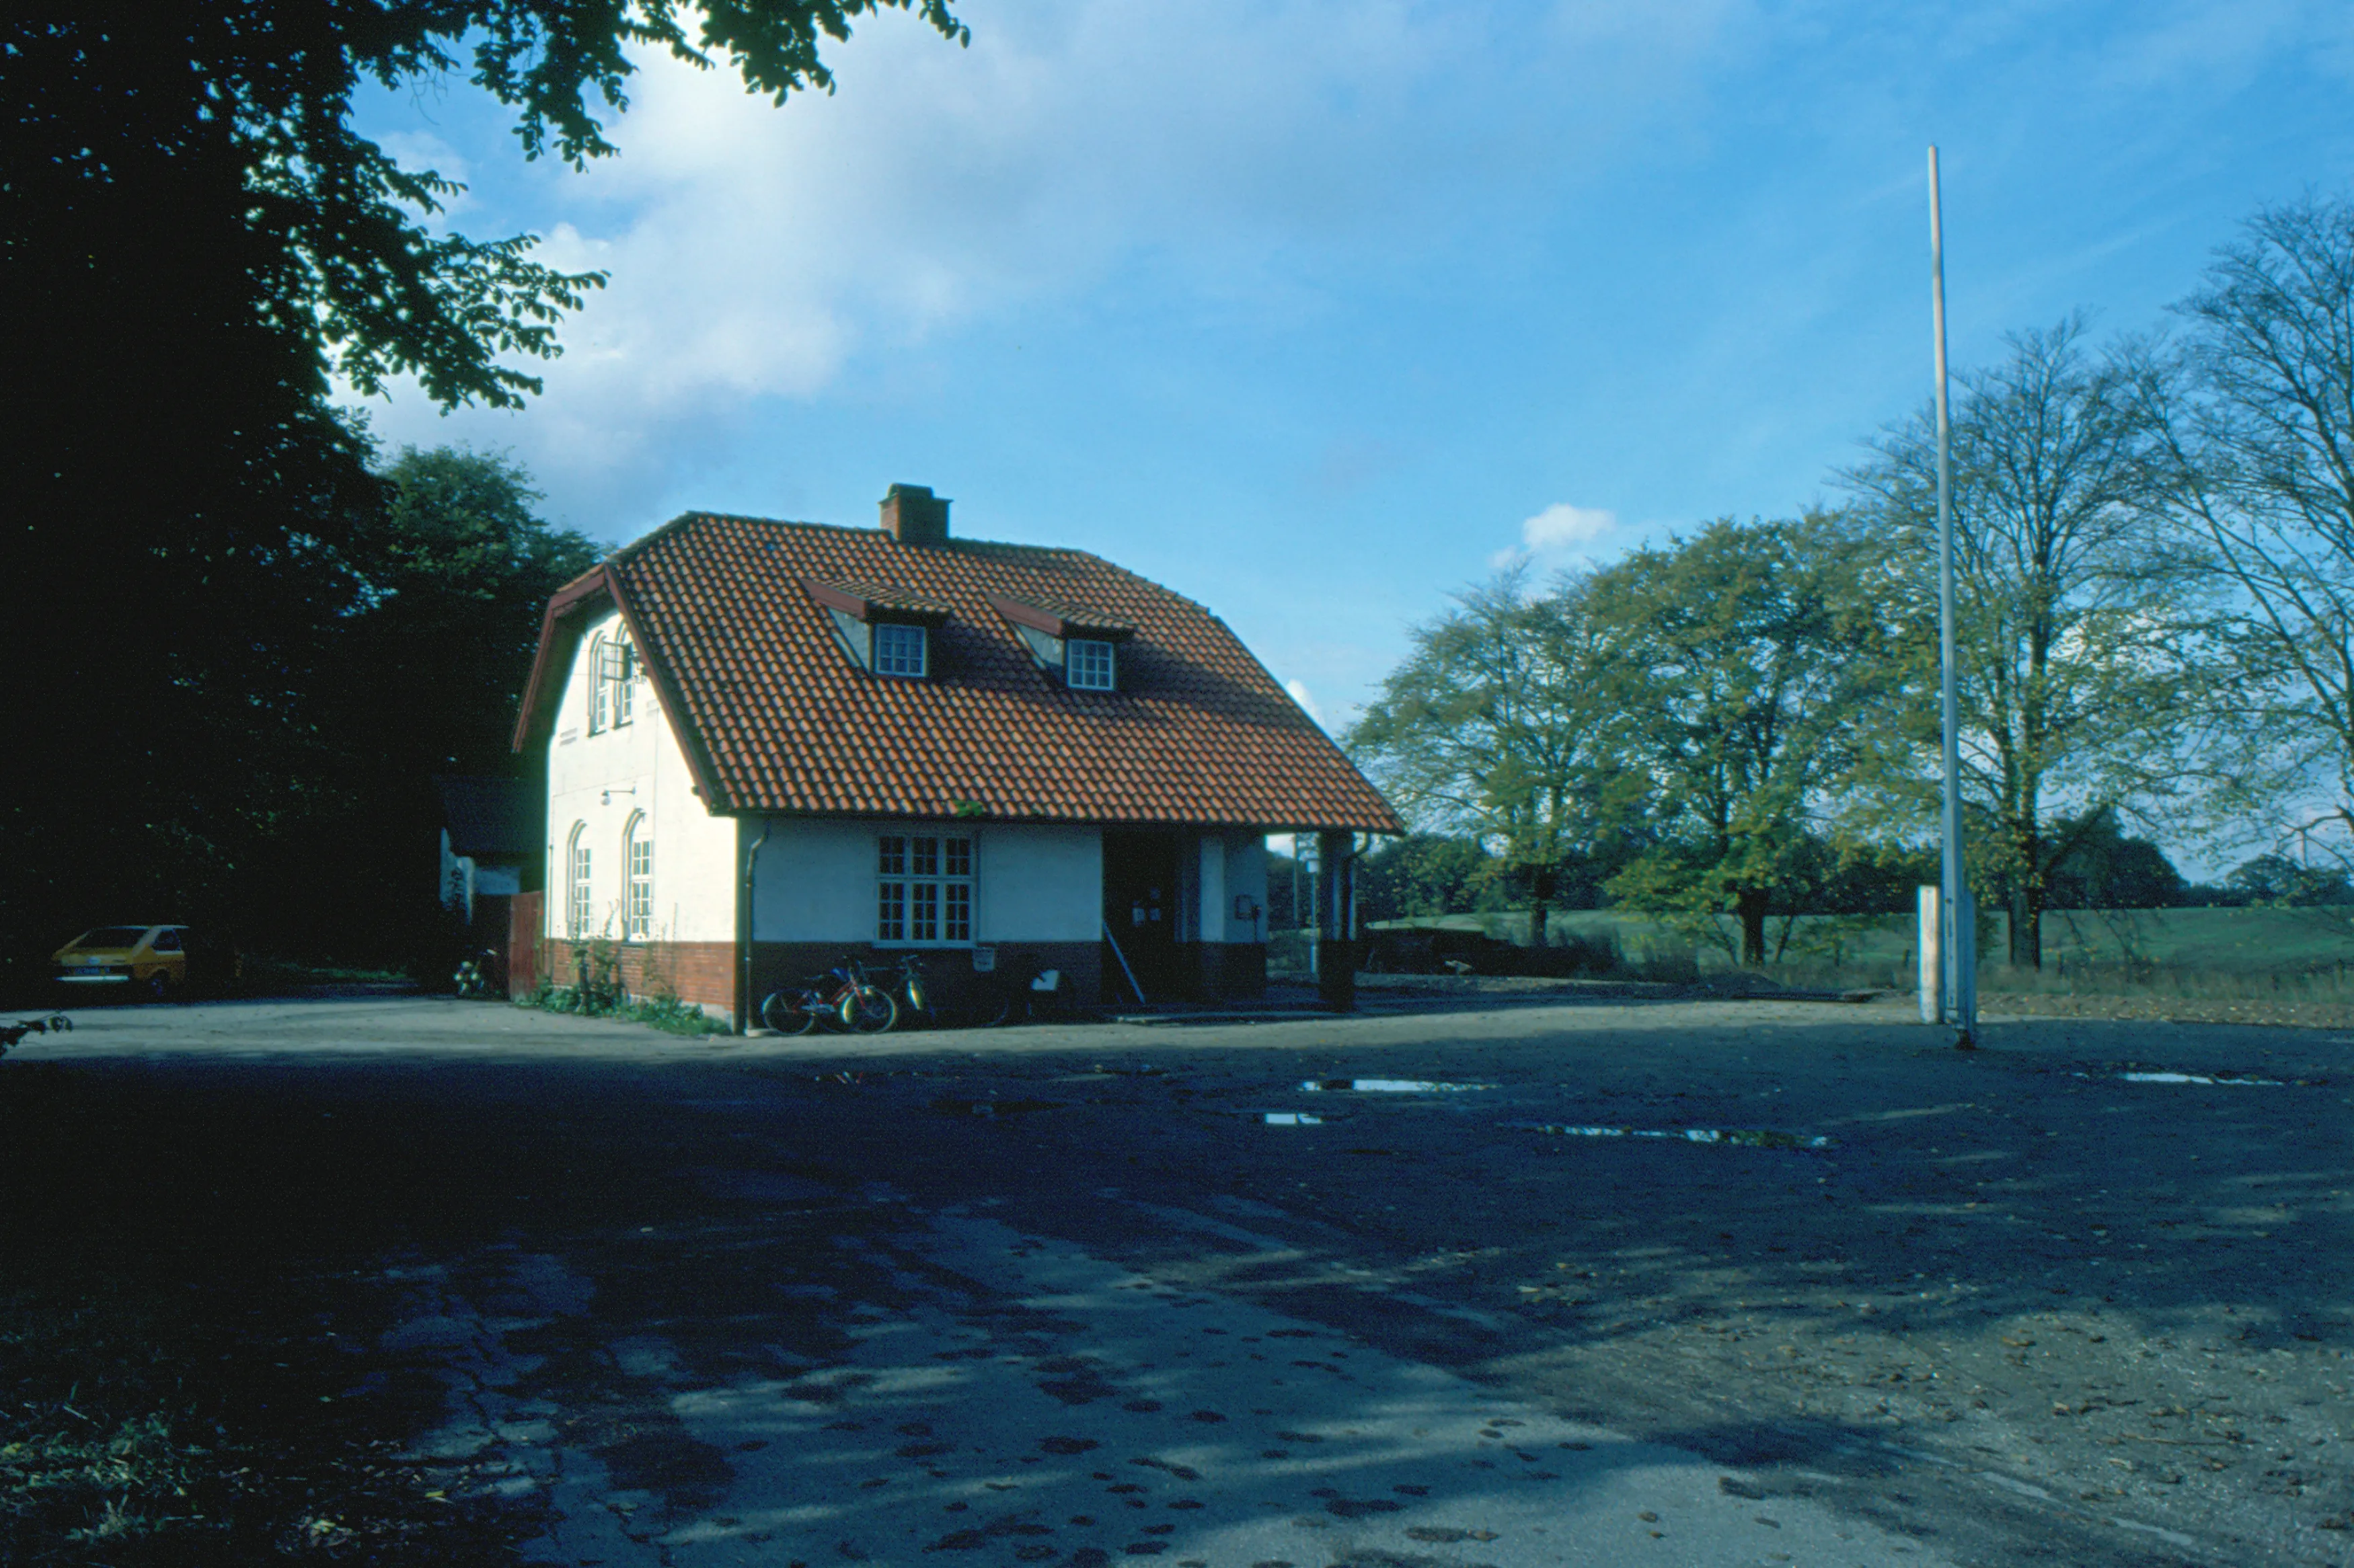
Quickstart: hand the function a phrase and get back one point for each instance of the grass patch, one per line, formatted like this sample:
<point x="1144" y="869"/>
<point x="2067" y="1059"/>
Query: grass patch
<point x="2231" y="965"/>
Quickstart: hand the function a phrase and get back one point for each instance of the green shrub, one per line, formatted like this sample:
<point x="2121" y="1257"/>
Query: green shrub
<point x="600" y="992"/>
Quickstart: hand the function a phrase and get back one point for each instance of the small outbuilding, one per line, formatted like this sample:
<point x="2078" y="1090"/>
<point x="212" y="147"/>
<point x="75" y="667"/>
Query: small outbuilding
<point x="491" y="835"/>
<point x="771" y="744"/>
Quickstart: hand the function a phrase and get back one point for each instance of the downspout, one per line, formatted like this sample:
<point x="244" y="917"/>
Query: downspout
<point x="744" y="928"/>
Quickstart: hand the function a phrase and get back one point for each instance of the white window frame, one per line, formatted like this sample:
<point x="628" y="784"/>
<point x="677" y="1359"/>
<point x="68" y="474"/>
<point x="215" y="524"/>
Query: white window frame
<point x="622" y="655"/>
<point x="580" y="892"/>
<point x="890" y="661"/>
<point x="927" y="889"/>
<point x="600" y="709"/>
<point x="1080" y="659"/>
<point x="637" y="880"/>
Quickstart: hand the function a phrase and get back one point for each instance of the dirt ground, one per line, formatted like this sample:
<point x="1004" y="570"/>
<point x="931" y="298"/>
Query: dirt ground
<point x="2008" y="1306"/>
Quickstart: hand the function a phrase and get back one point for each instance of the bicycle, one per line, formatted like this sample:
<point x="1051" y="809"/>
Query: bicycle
<point x="840" y="999"/>
<point x="477" y="977"/>
<point x="910" y="992"/>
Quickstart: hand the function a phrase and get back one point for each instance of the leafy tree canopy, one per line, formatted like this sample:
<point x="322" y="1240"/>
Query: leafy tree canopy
<point x="1756" y="665"/>
<point x="2091" y="673"/>
<point x="1495" y="729"/>
<point x="195" y="244"/>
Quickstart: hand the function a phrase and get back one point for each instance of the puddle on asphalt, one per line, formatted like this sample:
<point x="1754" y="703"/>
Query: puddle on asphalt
<point x="1738" y="1137"/>
<point x="1388" y="1086"/>
<point x="2231" y="1080"/>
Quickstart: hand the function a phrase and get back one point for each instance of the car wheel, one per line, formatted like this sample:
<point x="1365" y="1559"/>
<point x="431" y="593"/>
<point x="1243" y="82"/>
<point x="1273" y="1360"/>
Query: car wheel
<point x="157" y="987"/>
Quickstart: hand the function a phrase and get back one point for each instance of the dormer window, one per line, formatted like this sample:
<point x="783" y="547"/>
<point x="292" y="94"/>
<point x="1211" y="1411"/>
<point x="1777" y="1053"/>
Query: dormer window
<point x="901" y="650"/>
<point x="1079" y="646"/>
<point x="1087" y="665"/>
<point x="883" y="630"/>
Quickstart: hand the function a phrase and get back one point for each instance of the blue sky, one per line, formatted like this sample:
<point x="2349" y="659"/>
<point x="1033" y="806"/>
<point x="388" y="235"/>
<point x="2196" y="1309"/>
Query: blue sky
<point x="1314" y="311"/>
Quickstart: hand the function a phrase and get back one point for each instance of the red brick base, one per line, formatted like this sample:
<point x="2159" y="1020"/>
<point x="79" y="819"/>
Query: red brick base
<point x="948" y="975"/>
<point x="701" y="974"/>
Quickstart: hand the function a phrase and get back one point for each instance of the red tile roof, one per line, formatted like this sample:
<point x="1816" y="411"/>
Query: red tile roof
<point x="775" y="718"/>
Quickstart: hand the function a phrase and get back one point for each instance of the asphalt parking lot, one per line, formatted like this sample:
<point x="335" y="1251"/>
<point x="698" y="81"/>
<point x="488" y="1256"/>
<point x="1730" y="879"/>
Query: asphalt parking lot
<point x="1679" y="1282"/>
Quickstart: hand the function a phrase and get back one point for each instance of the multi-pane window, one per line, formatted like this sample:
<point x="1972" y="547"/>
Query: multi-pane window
<point x="1088" y="665"/>
<point x="600" y="688"/>
<point x="640" y="911"/>
<point x="924" y="891"/>
<point x="576" y="872"/>
<point x="612" y="682"/>
<point x="898" y="649"/>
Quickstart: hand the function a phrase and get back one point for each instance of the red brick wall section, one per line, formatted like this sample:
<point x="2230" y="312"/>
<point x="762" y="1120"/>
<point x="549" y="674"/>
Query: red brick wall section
<point x="523" y="926"/>
<point x="947" y="971"/>
<point x="703" y="973"/>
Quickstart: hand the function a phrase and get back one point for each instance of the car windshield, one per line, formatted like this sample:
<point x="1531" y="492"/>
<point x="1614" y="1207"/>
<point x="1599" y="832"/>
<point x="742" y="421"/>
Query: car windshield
<point x="112" y="936"/>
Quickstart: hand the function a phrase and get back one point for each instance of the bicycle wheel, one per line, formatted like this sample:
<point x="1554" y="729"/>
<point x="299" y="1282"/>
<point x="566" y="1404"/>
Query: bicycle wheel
<point x="869" y="1010"/>
<point x="791" y="1011"/>
<point x="994" y="1006"/>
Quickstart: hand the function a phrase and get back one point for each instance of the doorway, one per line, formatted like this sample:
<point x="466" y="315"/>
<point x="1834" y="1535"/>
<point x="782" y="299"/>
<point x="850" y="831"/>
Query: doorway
<point x="1141" y="911"/>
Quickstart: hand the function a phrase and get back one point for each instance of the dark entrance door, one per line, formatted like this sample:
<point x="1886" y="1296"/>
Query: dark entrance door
<point x="1140" y="883"/>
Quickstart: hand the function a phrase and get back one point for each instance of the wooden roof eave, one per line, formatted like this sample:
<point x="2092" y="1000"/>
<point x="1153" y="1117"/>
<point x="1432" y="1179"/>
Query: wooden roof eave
<point x="558" y="633"/>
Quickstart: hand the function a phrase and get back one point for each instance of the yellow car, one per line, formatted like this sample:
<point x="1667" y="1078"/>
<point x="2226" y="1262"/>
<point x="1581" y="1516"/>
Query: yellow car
<point x="142" y="960"/>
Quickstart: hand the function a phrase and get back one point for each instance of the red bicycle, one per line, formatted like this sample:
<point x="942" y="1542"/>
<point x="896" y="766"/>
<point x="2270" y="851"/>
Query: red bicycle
<point x="842" y="999"/>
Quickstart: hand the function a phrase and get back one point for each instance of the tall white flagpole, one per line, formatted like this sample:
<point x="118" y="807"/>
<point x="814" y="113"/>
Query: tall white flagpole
<point x="1960" y="917"/>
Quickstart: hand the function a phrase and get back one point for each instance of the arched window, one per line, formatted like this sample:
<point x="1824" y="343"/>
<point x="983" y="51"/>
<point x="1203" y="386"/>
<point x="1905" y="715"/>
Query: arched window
<point x="600" y="691"/>
<point x="638" y="861"/>
<point x="622" y="657"/>
<point x="576" y="906"/>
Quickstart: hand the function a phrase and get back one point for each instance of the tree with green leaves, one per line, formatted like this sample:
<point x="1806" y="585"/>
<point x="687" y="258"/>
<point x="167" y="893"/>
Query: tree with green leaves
<point x="454" y="573"/>
<point x="2254" y="408"/>
<point x="1423" y="873"/>
<point x="2090" y="675"/>
<point x="1493" y="730"/>
<point x="451" y="578"/>
<point x="1755" y="666"/>
<point x="196" y="246"/>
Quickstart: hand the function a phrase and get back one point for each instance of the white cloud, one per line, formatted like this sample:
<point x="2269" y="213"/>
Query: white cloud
<point x="1300" y="694"/>
<point x="1559" y="533"/>
<point x="1235" y="149"/>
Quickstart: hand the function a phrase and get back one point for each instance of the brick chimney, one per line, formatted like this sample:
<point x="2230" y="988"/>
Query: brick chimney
<point x="914" y="515"/>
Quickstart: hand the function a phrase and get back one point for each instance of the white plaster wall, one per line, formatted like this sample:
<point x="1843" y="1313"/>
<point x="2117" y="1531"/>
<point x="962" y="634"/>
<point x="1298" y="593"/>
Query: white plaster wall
<point x="598" y="780"/>
<point x="1040" y="885"/>
<point x="816" y="880"/>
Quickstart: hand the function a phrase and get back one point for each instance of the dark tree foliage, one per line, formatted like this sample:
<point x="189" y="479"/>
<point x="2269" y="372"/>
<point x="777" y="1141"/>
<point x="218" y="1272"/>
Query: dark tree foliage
<point x="453" y="576"/>
<point x="1425" y="874"/>
<point x="2102" y="867"/>
<point x="2278" y="882"/>
<point x="195" y="244"/>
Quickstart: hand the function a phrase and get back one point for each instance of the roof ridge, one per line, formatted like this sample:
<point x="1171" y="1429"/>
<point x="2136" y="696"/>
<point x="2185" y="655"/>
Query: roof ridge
<point x="951" y="544"/>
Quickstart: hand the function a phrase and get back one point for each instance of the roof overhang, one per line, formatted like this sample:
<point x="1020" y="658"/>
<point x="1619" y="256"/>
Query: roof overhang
<point x="559" y="632"/>
<point x="862" y="601"/>
<point x="1062" y="619"/>
<point x="570" y="611"/>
